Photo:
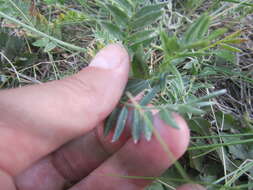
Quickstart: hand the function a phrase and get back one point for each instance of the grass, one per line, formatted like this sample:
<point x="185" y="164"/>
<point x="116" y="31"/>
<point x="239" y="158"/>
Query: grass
<point x="183" y="54"/>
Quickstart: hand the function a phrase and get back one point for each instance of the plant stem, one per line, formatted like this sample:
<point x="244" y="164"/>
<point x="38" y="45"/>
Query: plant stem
<point x="68" y="45"/>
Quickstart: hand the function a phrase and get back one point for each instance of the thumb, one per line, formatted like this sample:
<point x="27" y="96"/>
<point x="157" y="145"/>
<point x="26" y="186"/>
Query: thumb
<point x="36" y="120"/>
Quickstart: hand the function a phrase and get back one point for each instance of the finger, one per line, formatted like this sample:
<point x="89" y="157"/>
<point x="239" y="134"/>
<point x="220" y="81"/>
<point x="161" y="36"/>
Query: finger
<point x="143" y="159"/>
<point x="71" y="162"/>
<point x="191" y="187"/>
<point x="35" y="120"/>
<point x="6" y="181"/>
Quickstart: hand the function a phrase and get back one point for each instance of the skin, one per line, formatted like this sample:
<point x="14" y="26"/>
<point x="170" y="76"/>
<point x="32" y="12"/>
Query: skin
<point x="51" y="134"/>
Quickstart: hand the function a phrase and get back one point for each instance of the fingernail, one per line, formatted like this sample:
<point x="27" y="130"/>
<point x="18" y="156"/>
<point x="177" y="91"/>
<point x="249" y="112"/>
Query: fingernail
<point x="110" y="57"/>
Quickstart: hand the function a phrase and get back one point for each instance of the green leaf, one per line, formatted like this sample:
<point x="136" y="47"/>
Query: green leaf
<point x="167" y="117"/>
<point x="190" y="109"/>
<point x="225" y="55"/>
<point x="144" y="11"/>
<point x="149" y="96"/>
<point x="136" y="86"/>
<point x="121" y="122"/>
<point x="125" y="4"/>
<point x="111" y="121"/>
<point x="230" y="48"/>
<point x="148" y="130"/>
<point x="136" y="126"/>
<point x="41" y="42"/>
<point x="50" y="46"/>
<point x="120" y="17"/>
<point x="139" y="65"/>
<point x="198" y="29"/>
<point x="141" y="37"/>
<point x="145" y="21"/>
<point x="113" y="30"/>
<point x="217" y="33"/>
<point x="239" y="2"/>
<point x="235" y="41"/>
<point x="197" y="44"/>
<point x="170" y="44"/>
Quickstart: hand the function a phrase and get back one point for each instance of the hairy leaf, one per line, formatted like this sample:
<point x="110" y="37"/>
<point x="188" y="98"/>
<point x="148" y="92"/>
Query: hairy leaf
<point x="230" y="48"/>
<point x="197" y="30"/>
<point x="113" y="30"/>
<point x="170" y="44"/>
<point x="120" y="16"/>
<point x="121" y="122"/>
<point x="167" y="117"/>
<point x="141" y="37"/>
<point x="139" y="64"/>
<point x="136" y="126"/>
<point x="149" y="96"/>
<point x="145" y="21"/>
<point x="144" y="11"/>
<point x="111" y="121"/>
<point x="216" y="33"/>
<point x="126" y="5"/>
<point x="136" y="86"/>
<point x="148" y="129"/>
<point x="190" y="109"/>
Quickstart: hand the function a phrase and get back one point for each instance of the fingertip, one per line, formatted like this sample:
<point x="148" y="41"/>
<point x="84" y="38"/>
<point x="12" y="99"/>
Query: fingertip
<point x="176" y="139"/>
<point x="191" y="187"/>
<point x="112" y="56"/>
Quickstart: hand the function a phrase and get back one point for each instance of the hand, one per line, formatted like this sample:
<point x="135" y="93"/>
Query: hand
<point x="49" y="139"/>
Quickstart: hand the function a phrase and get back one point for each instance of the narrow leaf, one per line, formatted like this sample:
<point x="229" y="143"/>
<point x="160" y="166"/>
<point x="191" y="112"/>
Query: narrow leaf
<point x="148" y="9"/>
<point x="50" y="46"/>
<point x="111" y="121"/>
<point x="204" y="104"/>
<point x="217" y="33"/>
<point x="141" y="37"/>
<point x="209" y="96"/>
<point x="136" y="126"/>
<point x="230" y="48"/>
<point x="120" y="17"/>
<point x="144" y="21"/>
<point x="148" y="129"/>
<point x="139" y="64"/>
<point x="149" y="96"/>
<point x="136" y="86"/>
<point x="121" y="122"/>
<point x="113" y="30"/>
<point x="167" y="117"/>
<point x="197" y="44"/>
<point x="235" y="41"/>
<point x="198" y="29"/>
<point x="170" y="44"/>
<point x="41" y="42"/>
<point x="239" y="2"/>
<point x="125" y="4"/>
<point x="190" y="109"/>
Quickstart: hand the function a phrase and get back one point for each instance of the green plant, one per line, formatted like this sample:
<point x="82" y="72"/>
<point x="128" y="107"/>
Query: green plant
<point x="132" y="25"/>
<point x="182" y="53"/>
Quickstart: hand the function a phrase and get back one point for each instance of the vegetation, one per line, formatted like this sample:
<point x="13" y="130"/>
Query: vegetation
<point x="193" y="57"/>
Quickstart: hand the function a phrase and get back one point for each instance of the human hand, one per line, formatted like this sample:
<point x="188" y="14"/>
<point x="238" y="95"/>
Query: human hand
<point x="51" y="134"/>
